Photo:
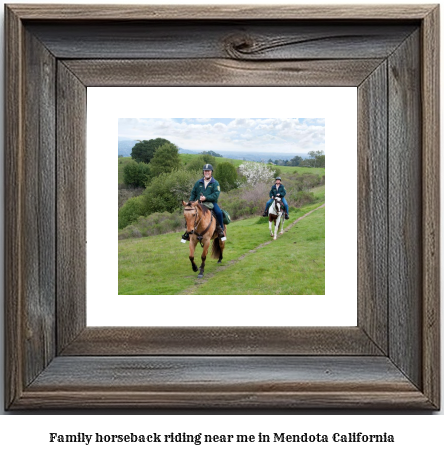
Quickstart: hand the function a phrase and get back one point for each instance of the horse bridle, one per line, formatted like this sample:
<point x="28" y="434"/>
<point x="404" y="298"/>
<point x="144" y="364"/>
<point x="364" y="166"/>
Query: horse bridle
<point x="196" y="224"/>
<point x="281" y="204"/>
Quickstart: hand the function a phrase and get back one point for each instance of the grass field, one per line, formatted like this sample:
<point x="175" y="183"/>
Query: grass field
<point x="253" y="263"/>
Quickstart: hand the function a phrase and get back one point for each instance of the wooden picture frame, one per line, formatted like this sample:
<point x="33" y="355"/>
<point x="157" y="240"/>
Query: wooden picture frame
<point x="389" y="360"/>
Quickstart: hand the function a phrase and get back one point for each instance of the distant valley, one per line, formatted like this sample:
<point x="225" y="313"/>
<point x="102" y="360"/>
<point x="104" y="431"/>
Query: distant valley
<point x="126" y="145"/>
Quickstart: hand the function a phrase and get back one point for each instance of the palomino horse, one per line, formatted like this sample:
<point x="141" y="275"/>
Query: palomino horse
<point x="201" y="226"/>
<point x="276" y="217"/>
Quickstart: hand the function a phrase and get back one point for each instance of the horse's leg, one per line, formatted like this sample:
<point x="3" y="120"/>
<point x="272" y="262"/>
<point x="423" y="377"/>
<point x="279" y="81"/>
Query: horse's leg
<point x="222" y="246"/>
<point x="276" y="227"/>
<point x="204" y="257"/>
<point x="282" y="223"/>
<point x="193" y="243"/>
<point x="270" y="226"/>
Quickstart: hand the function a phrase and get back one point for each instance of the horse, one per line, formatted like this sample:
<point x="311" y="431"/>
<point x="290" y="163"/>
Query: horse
<point x="276" y="217"/>
<point x="201" y="226"/>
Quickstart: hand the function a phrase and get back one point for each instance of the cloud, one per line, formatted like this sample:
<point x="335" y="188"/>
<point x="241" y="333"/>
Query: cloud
<point x="239" y="134"/>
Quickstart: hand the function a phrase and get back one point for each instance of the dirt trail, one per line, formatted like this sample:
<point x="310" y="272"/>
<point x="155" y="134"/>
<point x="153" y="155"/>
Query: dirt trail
<point x="191" y="290"/>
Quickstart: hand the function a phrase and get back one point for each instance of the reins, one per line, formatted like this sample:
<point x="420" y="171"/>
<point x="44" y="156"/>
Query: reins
<point x="196" y="224"/>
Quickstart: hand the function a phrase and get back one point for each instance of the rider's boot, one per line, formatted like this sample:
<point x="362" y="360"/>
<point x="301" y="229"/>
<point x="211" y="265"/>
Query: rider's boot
<point x="265" y="214"/>
<point x="286" y="216"/>
<point x="186" y="236"/>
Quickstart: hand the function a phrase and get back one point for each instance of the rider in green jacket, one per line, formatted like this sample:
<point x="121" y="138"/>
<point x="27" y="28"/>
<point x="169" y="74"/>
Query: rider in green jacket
<point x="277" y="189"/>
<point x="208" y="189"/>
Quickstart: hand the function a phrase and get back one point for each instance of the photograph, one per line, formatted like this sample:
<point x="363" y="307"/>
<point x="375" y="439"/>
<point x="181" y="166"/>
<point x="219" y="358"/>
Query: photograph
<point x="221" y="206"/>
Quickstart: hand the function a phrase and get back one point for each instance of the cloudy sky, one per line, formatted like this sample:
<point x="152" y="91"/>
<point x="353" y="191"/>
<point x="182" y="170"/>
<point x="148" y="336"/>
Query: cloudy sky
<point x="237" y="135"/>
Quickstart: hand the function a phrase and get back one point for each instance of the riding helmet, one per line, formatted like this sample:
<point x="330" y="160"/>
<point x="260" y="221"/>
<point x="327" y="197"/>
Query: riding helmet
<point x="207" y="167"/>
<point x="278" y="178"/>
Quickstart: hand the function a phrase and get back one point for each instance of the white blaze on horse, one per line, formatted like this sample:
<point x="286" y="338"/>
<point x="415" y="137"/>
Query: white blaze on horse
<point x="201" y="227"/>
<point x="276" y="217"/>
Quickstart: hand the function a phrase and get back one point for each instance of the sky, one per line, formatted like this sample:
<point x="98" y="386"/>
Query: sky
<point x="296" y="136"/>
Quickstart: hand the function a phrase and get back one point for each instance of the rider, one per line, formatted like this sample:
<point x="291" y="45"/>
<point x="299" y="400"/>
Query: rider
<point x="208" y="189"/>
<point x="277" y="190"/>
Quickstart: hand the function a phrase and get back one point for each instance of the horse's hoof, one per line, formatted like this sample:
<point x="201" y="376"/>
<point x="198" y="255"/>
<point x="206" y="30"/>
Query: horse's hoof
<point x="195" y="268"/>
<point x="200" y="275"/>
<point x="220" y="261"/>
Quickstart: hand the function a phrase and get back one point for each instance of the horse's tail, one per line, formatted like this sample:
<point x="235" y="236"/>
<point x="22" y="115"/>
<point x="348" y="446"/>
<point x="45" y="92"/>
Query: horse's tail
<point x="215" y="249"/>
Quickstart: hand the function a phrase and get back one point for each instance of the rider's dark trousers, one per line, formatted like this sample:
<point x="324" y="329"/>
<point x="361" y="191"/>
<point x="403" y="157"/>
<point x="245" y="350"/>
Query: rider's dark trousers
<point x="219" y="215"/>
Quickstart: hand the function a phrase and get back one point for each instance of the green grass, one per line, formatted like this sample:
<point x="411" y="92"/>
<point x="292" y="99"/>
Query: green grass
<point x="160" y="264"/>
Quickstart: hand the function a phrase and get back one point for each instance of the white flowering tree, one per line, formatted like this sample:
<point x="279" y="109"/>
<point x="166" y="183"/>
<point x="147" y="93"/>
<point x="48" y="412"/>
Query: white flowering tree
<point x="256" y="173"/>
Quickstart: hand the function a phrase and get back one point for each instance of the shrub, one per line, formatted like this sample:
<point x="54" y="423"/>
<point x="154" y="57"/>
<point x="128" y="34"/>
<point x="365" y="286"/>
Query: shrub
<point x="302" y="198"/>
<point x="136" y="174"/>
<point x="256" y="172"/>
<point x="196" y="164"/>
<point x="210" y="160"/>
<point x="154" y="224"/>
<point x="166" y="191"/>
<point x="276" y="171"/>
<point x="131" y="211"/>
<point x="226" y="175"/>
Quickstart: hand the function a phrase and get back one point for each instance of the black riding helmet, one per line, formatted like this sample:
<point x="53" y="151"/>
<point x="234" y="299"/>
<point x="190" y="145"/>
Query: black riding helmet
<point x="207" y="167"/>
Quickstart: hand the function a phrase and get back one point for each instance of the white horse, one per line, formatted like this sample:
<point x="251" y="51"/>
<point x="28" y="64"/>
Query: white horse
<point x="276" y="217"/>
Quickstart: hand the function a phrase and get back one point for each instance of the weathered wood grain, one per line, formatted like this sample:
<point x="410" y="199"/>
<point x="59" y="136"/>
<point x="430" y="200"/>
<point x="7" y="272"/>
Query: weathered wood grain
<point x="373" y="207"/>
<point x="39" y="207"/>
<point x="71" y="206"/>
<point x="206" y="72"/>
<point x="127" y="341"/>
<point x="405" y="209"/>
<point x="13" y="210"/>
<point x="408" y="377"/>
<point x="220" y="12"/>
<point x="236" y="40"/>
<point x="234" y="382"/>
<point x="430" y="94"/>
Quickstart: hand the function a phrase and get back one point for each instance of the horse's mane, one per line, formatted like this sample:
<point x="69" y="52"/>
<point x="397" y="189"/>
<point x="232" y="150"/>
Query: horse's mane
<point x="204" y="208"/>
<point x="200" y="205"/>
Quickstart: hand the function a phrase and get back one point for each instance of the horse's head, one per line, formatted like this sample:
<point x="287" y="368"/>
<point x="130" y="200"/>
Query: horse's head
<point x="278" y="203"/>
<point x="190" y="212"/>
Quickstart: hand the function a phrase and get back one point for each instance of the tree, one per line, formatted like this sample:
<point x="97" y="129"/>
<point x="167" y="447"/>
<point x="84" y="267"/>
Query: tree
<point x="196" y="164"/>
<point x="166" y="159"/>
<point x="318" y="158"/>
<point x="210" y="160"/>
<point x="226" y="176"/>
<point x="144" y="150"/>
<point x="211" y="152"/>
<point x="295" y="161"/>
<point x="136" y="174"/>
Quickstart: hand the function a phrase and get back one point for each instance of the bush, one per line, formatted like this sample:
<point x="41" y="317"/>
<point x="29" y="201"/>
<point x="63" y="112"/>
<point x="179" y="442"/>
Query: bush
<point x="165" y="192"/>
<point x="196" y="164"/>
<point x="136" y="174"/>
<point x="302" y="198"/>
<point x="131" y="211"/>
<point x="210" y="160"/>
<point x="256" y="172"/>
<point x="226" y="176"/>
<point x="276" y="171"/>
<point x="154" y="224"/>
